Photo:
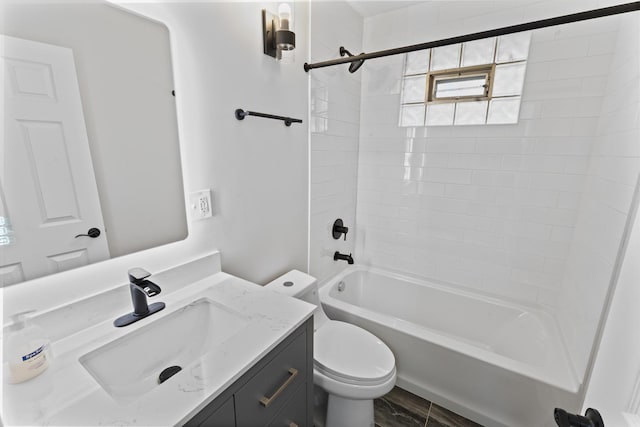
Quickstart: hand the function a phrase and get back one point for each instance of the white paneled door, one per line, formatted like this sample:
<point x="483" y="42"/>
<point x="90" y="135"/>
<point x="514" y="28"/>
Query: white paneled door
<point x="48" y="191"/>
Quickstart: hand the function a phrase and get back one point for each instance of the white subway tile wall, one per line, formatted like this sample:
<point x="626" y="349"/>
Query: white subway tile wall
<point x="610" y="179"/>
<point x="335" y="123"/>
<point x="488" y="207"/>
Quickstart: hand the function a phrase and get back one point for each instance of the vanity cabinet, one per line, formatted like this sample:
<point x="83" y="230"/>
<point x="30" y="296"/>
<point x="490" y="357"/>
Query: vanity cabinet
<point x="277" y="391"/>
<point x="225" y="415"/>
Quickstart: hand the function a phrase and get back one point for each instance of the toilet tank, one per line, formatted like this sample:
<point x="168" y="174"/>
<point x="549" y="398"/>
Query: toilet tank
<point x="301" y="286"/>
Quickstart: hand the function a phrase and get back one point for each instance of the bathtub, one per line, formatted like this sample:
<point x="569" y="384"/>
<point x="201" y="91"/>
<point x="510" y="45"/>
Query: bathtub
<point x="495" y="362"/>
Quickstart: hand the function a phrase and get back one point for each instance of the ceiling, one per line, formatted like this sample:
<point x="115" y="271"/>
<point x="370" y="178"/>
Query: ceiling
<point x="368" y="8"/>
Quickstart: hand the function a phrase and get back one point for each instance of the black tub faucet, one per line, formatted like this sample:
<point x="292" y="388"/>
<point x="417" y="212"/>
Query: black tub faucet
<point x="140" y="289"/>
<point x="338" y="256"/>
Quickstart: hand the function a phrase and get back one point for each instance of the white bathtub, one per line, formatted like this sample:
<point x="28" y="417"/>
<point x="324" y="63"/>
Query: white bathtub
<point x="495" y="362"/>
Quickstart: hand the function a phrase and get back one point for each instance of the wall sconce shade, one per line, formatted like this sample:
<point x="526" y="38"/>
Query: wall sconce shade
<point x="285" y="40"/>
<point x="276" y="31"/>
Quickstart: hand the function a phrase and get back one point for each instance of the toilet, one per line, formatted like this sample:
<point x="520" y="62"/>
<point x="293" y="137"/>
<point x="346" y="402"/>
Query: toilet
<point x="351" y="366"/>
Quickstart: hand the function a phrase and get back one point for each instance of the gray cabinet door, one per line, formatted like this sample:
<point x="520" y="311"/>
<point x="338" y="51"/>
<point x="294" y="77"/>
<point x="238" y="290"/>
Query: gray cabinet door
<point x="260" y="399"/>
<point x="225" y="416"/>
<point x="294" y="412"/>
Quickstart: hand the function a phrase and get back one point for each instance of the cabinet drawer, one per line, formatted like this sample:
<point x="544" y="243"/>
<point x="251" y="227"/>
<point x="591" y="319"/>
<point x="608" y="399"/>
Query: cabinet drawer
<point x="260" y="399"/>
<point x="294" y="412"/>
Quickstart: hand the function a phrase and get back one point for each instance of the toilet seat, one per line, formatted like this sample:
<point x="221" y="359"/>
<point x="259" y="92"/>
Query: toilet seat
<point x="349" y="354"/>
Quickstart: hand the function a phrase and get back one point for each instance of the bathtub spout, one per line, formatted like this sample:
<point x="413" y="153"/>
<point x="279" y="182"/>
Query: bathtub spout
<point x="338" y="256"/>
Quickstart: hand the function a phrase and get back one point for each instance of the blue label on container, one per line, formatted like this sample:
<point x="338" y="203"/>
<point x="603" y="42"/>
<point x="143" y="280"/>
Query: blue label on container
<point x="33" y="354"/>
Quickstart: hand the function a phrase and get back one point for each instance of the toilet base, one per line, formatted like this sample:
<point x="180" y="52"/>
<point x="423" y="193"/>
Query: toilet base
<point x="342" y="412"/>
<point x="320" y="400"/>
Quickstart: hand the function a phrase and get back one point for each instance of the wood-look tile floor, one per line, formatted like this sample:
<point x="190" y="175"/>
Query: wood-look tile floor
<point x="400" y="408"/>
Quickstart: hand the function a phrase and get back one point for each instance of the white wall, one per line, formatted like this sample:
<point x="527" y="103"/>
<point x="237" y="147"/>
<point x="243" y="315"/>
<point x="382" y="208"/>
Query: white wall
<point x="257" y="168"/>
<point x="614" y="386"/>
<point x="335" y="119"/>
<point x="611" y="179"/>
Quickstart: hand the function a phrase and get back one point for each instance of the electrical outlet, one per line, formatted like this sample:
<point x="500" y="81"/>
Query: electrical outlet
<point x="200" y="204"/>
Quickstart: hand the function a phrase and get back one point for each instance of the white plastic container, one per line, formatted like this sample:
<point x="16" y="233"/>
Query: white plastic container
<point x="27" y="350"/>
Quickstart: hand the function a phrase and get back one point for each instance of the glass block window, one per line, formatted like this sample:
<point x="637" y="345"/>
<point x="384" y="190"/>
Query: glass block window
<point x="473" y="83"/>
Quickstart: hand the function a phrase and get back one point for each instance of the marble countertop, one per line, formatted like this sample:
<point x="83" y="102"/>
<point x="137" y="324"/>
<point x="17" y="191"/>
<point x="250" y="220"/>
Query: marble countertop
<point x="66" y="394"/>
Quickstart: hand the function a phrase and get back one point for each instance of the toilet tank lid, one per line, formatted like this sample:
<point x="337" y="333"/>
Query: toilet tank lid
<point x="293" y="283"/>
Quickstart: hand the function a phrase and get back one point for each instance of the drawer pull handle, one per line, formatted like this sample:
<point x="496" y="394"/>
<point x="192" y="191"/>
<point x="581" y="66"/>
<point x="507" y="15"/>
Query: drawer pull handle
<point x="266" y="401"/>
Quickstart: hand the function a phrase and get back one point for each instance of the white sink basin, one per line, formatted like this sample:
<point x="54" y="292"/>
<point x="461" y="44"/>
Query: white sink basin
<point x="130" y="366"/>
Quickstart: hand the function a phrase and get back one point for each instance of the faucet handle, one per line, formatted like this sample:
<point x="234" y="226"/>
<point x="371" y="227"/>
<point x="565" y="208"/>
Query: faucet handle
<point x="138" y="274"/>
<point x="150" y="289"/>
<point x="339" y="229"/>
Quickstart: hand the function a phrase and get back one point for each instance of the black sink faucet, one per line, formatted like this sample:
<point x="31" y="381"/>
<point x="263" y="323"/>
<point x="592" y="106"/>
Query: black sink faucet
<point x="140" y="289"/>
<point x="338" y="256"/>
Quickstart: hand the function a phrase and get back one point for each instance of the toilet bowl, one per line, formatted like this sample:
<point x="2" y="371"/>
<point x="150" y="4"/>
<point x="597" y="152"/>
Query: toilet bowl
<point x="351" y="366"/>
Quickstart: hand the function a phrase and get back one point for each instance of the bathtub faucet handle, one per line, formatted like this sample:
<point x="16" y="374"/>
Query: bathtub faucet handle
<point x="339" y="229"/>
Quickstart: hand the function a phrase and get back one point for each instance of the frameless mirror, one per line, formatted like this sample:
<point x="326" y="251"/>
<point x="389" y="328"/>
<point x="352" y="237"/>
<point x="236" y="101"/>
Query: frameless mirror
<point x="90" y="156"/>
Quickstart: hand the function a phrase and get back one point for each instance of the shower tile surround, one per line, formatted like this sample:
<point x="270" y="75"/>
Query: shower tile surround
<point x="530" y="212"/>
<point x="610" y="180"/>
<point x="515" y="211"/>
<point x="334" y="130"/>
<point x="487" y="207"/>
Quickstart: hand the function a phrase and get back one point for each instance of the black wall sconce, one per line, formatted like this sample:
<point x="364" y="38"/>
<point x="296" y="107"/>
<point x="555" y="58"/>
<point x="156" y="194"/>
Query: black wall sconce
<point x="277" y="34"/>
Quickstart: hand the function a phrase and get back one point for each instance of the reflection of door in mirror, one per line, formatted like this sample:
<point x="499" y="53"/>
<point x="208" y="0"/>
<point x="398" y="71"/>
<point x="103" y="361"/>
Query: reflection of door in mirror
<point x="125" y="80"/>
<point x="49" y="186"/>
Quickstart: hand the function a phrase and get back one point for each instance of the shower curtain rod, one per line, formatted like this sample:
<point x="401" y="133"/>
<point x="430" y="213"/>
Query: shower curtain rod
<point x="550" y="22"/>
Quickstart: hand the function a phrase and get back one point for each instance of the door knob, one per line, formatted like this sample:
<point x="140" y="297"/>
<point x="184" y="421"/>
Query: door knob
<point x="93" y="233"/>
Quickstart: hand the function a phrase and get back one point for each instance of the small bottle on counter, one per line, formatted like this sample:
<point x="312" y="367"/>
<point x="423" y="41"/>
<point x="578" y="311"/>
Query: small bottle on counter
<point x="27" y="348"/>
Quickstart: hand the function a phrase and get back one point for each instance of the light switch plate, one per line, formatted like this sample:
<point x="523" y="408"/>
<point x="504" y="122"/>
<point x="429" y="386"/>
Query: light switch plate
<point x="200" y="204"/>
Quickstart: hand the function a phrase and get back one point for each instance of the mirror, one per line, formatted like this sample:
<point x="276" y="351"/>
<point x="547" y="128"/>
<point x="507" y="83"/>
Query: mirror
<point x="91" y="163"/>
